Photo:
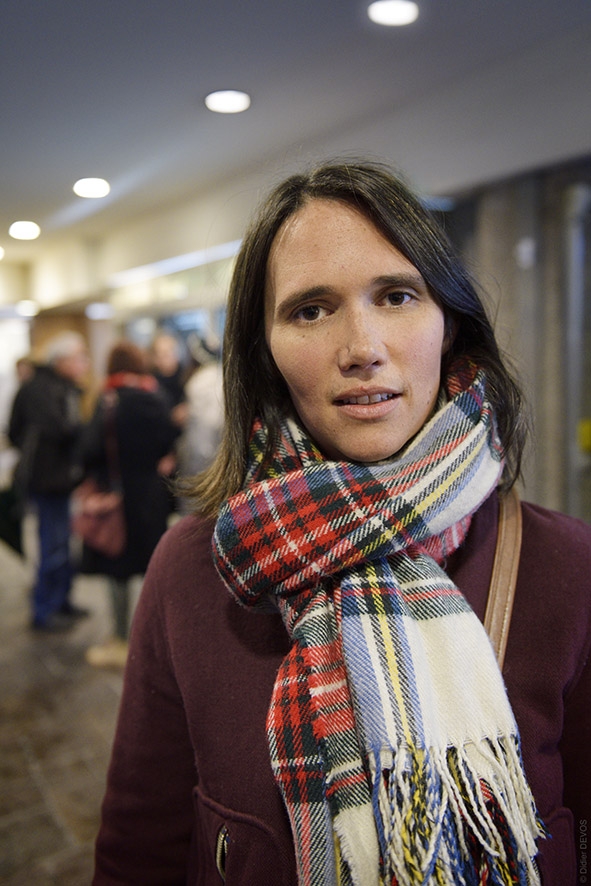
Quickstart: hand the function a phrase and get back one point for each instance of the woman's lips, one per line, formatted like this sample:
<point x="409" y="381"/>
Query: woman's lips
<point x="365" y="399"/>
<point x="368" y="406"/>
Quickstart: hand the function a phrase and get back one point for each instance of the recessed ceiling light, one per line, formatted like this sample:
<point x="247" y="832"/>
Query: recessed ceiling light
<point x="393" y="12"/>
<point x="227" y="101"/>
<point x="92" y="187"/>
<point x="1" y="253"/>
<point x="24" y="230"/>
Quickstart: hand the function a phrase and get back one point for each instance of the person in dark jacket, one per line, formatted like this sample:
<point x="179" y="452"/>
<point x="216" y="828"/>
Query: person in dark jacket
<point x="45" y="424"/>
<point x="133" y="415"/>
<point x="170" y="373"/>
<point x="351" y="722"/>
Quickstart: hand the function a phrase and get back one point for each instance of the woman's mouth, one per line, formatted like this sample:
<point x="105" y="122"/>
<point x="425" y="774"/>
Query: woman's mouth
<point x="365" y="399"/>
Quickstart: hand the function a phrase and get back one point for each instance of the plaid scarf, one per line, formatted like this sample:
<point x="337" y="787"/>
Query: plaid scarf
<point x="390" y="733"/>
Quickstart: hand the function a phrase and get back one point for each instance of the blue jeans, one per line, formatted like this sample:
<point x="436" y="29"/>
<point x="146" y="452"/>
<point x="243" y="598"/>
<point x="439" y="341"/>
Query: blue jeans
<point x="54" y="573"/>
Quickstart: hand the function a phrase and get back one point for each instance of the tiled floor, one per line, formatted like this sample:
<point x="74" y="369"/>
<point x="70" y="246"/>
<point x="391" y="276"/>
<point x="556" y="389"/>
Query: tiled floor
<point x="57" y="716"/>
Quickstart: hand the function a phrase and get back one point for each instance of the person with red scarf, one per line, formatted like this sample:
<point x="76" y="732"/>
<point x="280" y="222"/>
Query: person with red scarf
<point x="311" y="696"/>
<point x="128" y="435"/>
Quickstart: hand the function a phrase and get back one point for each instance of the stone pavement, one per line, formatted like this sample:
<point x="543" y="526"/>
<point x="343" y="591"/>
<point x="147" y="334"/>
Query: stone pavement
<point x="57" y="716"/>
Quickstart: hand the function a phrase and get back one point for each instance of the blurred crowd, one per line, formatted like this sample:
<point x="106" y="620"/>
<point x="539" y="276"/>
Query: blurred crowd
<point x="155" y="420"/>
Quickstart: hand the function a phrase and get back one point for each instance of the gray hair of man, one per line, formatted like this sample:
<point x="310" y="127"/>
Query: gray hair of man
<point x="63" y="345"/>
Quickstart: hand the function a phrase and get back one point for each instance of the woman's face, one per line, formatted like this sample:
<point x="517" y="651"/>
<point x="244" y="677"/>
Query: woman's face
<point x="354" y="332"/>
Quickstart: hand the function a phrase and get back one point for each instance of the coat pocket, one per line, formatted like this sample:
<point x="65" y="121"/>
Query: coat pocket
<point x="557" y="859"/>
<point x="236" y="849"/>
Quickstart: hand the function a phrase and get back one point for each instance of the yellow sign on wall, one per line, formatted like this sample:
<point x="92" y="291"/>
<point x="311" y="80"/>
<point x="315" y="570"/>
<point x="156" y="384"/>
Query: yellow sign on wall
<point x="584" y="434"/>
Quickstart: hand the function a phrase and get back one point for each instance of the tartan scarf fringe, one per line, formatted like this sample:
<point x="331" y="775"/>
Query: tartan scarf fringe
<point x="390" y="734"/>
<point x="456" y="832"/>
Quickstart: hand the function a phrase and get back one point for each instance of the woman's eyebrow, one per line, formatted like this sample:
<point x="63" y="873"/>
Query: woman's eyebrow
<point x="416" y="281"/>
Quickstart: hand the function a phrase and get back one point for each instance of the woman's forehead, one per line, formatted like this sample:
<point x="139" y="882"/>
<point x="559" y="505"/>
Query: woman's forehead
<point x="325" y="231"/>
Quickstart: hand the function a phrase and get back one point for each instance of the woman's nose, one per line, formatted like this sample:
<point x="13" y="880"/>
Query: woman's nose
<point x="361" y="346"/>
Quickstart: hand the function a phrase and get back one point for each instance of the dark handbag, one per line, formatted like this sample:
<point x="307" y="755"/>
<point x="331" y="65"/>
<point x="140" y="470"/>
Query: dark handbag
<point x="11" y="513"/>
<point x="98" y="518"/>
<point x="98" y="515"/>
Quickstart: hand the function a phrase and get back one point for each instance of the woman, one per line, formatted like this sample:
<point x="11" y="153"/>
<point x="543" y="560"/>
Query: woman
<point x="349" y="723"/>
<point x="123" y="445"/>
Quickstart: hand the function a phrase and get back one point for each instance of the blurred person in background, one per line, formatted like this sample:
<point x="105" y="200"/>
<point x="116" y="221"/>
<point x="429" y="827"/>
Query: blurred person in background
<point x="170" y="373"/>
<point x="204" y="394"/>
<point x="45" y="425"/>
<point x="24" y="369"/>
<point x="139" y="423"/>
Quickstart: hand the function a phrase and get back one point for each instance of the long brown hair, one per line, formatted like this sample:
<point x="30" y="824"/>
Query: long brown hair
<point x="253" y="385"/>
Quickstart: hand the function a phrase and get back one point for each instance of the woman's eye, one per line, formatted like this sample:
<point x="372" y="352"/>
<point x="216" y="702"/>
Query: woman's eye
<point x="398" y="298"/>
<point x="309" y="313"/>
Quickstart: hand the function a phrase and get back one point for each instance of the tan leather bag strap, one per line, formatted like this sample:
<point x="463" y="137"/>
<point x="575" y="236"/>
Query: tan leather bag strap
<point x="497" y="618"/>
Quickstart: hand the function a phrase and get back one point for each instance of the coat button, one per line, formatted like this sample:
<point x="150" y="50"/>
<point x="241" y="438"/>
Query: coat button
<point x="221" y="851"/>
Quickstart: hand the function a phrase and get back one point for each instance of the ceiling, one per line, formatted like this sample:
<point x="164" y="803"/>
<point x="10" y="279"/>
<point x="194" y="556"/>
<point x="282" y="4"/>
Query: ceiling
<point x="115" y="88"/>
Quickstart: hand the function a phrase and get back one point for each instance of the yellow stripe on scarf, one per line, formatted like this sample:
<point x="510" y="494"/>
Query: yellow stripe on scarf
<point x="389" y="650"/>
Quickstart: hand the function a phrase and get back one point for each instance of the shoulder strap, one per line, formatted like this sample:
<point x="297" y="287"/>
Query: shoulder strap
<point x="504" y="575"/>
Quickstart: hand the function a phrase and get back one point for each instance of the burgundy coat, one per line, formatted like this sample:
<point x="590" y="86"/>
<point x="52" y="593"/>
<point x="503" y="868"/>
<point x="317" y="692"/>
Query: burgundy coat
<point x="190" y="772"/>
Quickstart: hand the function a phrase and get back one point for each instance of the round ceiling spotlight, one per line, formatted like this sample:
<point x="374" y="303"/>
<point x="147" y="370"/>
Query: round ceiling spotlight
<point x="92" y="187"/>
<point x="1" y="253"/>
<point x="393" y="12"/>
<point x="24" y="230"/>
<point x="227" y="101"/>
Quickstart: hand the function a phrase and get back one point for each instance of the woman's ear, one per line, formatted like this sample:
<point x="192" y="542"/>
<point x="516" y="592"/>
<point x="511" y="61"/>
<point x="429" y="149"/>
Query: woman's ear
<point x="450" y="331"/>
